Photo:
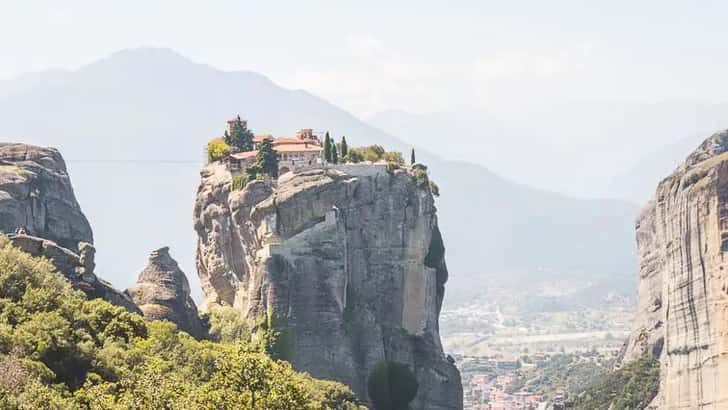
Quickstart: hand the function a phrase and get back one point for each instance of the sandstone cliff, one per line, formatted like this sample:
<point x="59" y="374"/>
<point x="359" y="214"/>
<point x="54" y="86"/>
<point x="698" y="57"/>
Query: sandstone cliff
<point x="348" y="266"/>
<point x="682" y="317"/>
<point x="36" y="195"/>
<point x="39" y="212"/>
<point x="162" y="292"/>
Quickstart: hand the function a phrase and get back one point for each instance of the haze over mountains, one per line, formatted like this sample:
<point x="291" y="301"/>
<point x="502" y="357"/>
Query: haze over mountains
<point x="133" y="127"/>
<point x="588" y="149"/>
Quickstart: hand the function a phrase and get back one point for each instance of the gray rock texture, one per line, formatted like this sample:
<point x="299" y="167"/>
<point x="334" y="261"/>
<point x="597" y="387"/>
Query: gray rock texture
<point x="36" y="195"/>
<point x="162" y="292"/>
<point x="682" y="312"/>
<point x="348" y="267"/>
<point x="77" y="267"/>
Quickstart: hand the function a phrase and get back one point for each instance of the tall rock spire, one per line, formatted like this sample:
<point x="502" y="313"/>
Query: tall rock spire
<point x="162" y="292"/>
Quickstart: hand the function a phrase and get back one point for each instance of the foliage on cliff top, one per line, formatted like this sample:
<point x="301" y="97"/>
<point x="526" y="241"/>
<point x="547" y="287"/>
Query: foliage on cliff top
<point x="61" y="351"/>
<point x="372" y="153"/>
<point x="631" y="387"/>
<point x="217" y="150"/>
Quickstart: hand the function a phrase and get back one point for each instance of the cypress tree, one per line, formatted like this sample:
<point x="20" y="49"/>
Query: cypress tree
<point x="267" y="158"/>
<point x="335" y="155"/>
<point x="412" y="157"/>
<point x="327" y="148"/>
<point x="344" y="148"/>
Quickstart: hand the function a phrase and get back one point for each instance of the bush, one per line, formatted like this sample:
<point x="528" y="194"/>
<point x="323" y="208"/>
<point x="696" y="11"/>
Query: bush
<point x="70" y="353"/>
<point x="239" y="182"/>
<point x="421" y="178"/>
<point x="434" y="188"/>
<point x="217" y="150"/>
<point x="631" y="387"/>
<point x="391" y="167"/>
<point x="227" y="325"/>
<point x="394" y="157"/>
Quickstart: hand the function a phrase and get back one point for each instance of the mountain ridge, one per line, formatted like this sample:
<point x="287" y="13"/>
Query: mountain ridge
<point x="115" y="114"/>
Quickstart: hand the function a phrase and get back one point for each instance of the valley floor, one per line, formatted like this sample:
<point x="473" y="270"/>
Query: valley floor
<point x="517" y="354"/>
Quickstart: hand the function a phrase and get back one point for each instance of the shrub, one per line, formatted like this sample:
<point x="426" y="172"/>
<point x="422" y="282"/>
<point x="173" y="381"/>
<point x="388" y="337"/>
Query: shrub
<point x="391" y="167"/>
<point x="421" y="178"/>
<point x="239" y="182"/>
<point x="217" y="150"/>
<point x="227" y="325"/>
<point x="394" y="157"/>
<point x="354" y="156"/>
<point x="434" y="188"/>
<point x="71" y="353"/>
<point x="373" y="153"/>
<point x="631" y="387"/>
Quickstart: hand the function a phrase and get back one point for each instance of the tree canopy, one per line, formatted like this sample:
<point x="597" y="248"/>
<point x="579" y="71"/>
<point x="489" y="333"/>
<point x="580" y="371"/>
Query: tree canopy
<point x="267" y="158"/>
<point x="61" y="351"/>
<point x="240" y="138"/>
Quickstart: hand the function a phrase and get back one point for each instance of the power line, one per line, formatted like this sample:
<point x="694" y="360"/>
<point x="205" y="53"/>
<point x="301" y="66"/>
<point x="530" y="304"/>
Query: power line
<point x="136" y="161"/>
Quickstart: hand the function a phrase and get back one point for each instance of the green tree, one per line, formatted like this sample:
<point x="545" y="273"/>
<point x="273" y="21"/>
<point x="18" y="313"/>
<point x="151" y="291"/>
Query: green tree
<point x="412" y="157"/>
<point x="327" y="148"/>
<point x="61" y="351"/>
<point x="344" y="148"/>
<point x="240" y="138"/>
<point x="217" y="150"/>
<point x="334" y="155"/>
<point x="267" y="158"/>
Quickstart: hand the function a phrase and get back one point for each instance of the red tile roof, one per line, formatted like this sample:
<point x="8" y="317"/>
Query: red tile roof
<point x="244" y="155"/>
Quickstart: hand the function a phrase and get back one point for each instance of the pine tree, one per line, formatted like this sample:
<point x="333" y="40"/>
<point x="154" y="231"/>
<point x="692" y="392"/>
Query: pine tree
<point x="327" y="148"/>
<point x="412" y="157"/>
<point x="240" y="138"/>
<point x="335" y="155"/>
<point x="267" y="158"/>
<point x="344" y="148"/>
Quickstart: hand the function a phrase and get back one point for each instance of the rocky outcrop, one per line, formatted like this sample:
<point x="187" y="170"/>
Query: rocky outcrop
<point x="682" y="313"/>
<point x="39" y="212"/>
<point x="162" y="292"/>
<point x="348" y="267"/>
<point x="36" y="195"/>
<point x="77" y="267"/>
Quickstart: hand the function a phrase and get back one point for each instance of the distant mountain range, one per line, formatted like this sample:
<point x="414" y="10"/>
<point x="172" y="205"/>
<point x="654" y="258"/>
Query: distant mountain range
<point x="588" y="149"/>
<point x="133" y="127"/>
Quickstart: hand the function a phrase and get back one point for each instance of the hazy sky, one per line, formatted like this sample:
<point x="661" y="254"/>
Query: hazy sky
<point x="419" y="56"/>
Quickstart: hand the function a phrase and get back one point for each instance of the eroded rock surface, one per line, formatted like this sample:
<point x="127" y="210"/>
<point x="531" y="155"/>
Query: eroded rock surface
<point x="162" y="292"/>
<point x="77" y="267"/>
<point x="349" y="267"/>
<point x="682" y="317"/>
<point x="36" y="195"/>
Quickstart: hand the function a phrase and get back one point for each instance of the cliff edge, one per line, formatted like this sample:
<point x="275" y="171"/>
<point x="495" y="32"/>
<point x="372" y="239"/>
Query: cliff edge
<point x="36" y="195"/>
<point x="682" y="312"/>
<point x="347" y="264"/>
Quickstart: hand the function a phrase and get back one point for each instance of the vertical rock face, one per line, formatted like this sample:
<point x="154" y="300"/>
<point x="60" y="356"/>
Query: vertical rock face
<point x="682" y="317"/>
<point x="162" y="292"/>
<point x="348" y="267"/>
<point x="36" y="195"/>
